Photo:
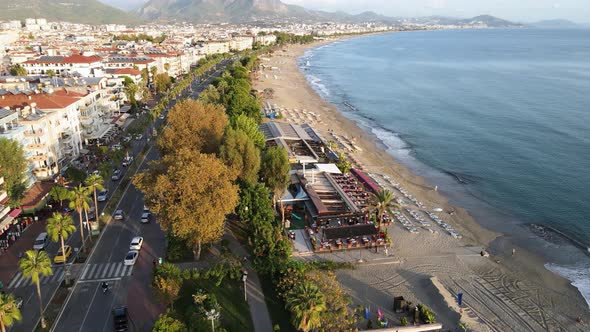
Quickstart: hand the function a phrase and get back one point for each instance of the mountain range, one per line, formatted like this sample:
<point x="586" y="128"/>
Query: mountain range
<point x="204" y="11"/>
<point x="79" y="11"/>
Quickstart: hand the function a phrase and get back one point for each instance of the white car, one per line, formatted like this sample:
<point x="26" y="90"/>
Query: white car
<point x="145" y="217"/>
<point x="102" y="196"/>
<point x="136" y="243"/>
<point x="131" y="257"/>
<point x="127" y="161"/>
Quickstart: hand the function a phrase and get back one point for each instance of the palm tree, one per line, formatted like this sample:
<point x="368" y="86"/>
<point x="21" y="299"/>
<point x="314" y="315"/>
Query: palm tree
<point x="9" y="312"/>
<point x="382" y="199"/>
<point x="33" y="264"/>
<point x="96" y="183"/>
<point x="79" y="201"/>
<point x="306" y="303"/>
<point x="60" y="227"/>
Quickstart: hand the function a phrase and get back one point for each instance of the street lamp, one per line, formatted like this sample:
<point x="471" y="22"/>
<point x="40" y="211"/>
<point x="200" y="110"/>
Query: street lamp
<point x="244" y="278"/>
<point x="212" y="315"/>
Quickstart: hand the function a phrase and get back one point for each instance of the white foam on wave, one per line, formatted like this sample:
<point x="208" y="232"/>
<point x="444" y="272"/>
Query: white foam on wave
<point x="317" y="84"/>
<point x="578" y="275"/>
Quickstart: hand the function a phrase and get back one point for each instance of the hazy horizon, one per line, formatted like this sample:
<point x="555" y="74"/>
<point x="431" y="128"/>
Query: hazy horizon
<point x="524" y="11"/>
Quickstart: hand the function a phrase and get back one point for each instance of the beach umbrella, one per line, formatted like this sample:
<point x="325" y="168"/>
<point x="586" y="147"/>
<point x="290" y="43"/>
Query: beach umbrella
<point x="367" y="313"/>
<point x="437" y="210"/>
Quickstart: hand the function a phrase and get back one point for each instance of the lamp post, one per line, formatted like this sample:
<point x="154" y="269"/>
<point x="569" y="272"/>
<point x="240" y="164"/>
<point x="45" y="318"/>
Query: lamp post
<point x="212" y="316"/>
<point x="244" y="278"/>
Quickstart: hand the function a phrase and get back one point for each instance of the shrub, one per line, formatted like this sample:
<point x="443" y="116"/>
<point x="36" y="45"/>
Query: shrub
<point x="403" y="321"/>
<point x="426" y="315"/>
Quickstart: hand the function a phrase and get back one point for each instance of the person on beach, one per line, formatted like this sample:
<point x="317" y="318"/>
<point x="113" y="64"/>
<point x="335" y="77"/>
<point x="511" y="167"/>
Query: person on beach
<point x="513" y="251"/>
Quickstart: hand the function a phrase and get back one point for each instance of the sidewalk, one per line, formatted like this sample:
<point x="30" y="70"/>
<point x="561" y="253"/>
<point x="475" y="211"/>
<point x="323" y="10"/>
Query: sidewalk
<point x="256" y="302"/>
<point x="9" y="259"/>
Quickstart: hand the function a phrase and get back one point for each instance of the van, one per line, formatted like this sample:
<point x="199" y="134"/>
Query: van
<point x="40" y="242"/>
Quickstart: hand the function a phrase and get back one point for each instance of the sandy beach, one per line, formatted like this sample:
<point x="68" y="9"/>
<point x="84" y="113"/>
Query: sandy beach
<point x="501" y="292"/>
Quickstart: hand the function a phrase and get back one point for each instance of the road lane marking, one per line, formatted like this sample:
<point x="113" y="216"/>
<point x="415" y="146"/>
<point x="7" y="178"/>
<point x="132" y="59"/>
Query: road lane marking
<point x="92" y="268"/>
<point x="130" y="270"/>
<point x="99" y="280"/>
<point x="112" y="268"/>
<point x="118" y="269"/>
<point x="86" y="268"/>
<point x="14" y="279"/>
<point x="105" y="270"/>
<point x="88" y="311"/>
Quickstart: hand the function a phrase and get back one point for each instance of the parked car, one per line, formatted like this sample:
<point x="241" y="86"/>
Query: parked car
<point x="91" y="213"/>
<point x="162" y="116"/>
<point x="40" y="242"/>
<point x="138" y="137"/>
<point x="102" y="196"/>
<point x="117" y="146"/>
<point x="127" y="161"/>
<point x="62" y="257"/>
<point x="127" y="139"/>
<point x="116" y="175"/>
<point x="120" y="319"/>
<point x="145" y="217"/>
<point x="136" y="243"/>
<point x="131" y="257"/>
<point x="119" y="215"/>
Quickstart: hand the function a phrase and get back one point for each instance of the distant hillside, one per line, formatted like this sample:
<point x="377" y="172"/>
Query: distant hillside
<point x="126" y="5"/>
<point x="77" y="11"/>
<point x="556" y="24"/>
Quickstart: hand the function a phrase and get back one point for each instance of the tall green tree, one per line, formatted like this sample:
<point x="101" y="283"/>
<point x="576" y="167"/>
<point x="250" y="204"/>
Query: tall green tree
<point x="250" y="127"/>
<point x="59" y="194"/>
<point x="34" y="264"/>
<point x="79" y="201"/>
<point x="18" y="70"/>
<point x="193" y="125"/>
<point x="131" y="90"/>
<point x="343" y="164"/>
<point x="191" y="193"/>
<point x="381" y="200"/>
<point x="50" y="73"/>
<point x="274" y="171"/>
<point x="13" y="165"/>
<point x="162" y="82"/>
<point x="60" y="227"/>
<point x="168" y="323"/>
<point x="95" y="182"/>
<point x="241" y="155"/>
<point x="9" y="312"/>
<point x="306" y="303"/>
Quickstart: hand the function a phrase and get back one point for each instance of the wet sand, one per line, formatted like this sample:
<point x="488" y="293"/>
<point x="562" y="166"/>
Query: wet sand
<point x="501" y="292"/>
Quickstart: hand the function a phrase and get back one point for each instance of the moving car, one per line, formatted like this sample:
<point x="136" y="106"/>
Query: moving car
<point x="127" y="161"/>
<point x="19" y="302"/>
<point x="136" y="243"/>
<point x="120" y="319"/>
<point x="119" y="215"/>
<point x="61" y="257"/>
<point x="145" y="217"/>
<point x="162" y="116"/>
<point x="40" y="242"/>
<point x="116" y="175"/>
<point x="131" y="257"/>
<point x="102" y="196"/>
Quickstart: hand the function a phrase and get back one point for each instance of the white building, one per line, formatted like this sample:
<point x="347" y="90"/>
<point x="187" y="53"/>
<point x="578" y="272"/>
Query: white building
<point x="86" y="66"/>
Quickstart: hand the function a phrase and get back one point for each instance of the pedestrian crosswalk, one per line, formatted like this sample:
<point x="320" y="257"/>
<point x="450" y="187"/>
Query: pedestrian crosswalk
<point x="106" y="271"/>
<point x="90" y="272"/>
<point x="21" y="281"/>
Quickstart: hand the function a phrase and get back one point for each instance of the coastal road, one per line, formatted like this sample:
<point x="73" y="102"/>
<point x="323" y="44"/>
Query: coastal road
<point x="24" y="288"/>
<point x="88" y="309"/>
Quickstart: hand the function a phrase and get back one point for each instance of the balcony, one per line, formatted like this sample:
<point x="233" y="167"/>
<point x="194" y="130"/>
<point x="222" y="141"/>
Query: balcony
<point x="4" y="210"/>
<point x="39" y="157"/>
<point x="42" y="172"/>
<point x="36" y="146"/>
<point x="3" y="195"/>
<point x="66" y="139"/>
<point x="34" y="133"/>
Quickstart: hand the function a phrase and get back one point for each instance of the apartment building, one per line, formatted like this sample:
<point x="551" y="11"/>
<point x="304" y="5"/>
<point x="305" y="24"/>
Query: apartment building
<point x="86" y="66"/>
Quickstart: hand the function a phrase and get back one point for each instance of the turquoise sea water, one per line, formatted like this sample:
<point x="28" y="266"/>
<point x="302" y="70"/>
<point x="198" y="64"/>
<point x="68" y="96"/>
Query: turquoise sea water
<point x="498" y="119"/>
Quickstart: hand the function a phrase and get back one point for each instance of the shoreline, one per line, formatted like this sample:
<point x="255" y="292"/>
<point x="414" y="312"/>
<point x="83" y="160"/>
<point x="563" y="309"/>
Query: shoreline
<point x="524" y="268"/>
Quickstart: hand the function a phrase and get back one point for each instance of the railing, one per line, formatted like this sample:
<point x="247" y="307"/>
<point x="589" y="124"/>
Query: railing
<point x="36" y="133"/>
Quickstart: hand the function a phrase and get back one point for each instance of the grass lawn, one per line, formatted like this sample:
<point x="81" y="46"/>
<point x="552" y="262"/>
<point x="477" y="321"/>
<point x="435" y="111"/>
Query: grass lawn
<point x="276" y="307"/>
<point x="235" y="313"/>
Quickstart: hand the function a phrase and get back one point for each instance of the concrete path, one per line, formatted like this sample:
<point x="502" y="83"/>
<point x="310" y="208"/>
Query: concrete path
<point x="258" y="309"/>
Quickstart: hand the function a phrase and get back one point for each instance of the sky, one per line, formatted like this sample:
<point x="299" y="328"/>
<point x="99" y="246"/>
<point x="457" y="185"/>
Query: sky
<point x="515" y="10"/>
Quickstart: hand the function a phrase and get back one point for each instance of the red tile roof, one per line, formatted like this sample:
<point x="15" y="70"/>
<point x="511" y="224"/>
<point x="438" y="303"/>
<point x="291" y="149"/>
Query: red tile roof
<point x="67" y="59"/>
<point x="43" y="101"/>
<point x="125" y="71"/>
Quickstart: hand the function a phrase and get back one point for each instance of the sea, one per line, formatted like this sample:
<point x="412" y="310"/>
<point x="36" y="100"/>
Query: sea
<point x="498" y="119"/>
